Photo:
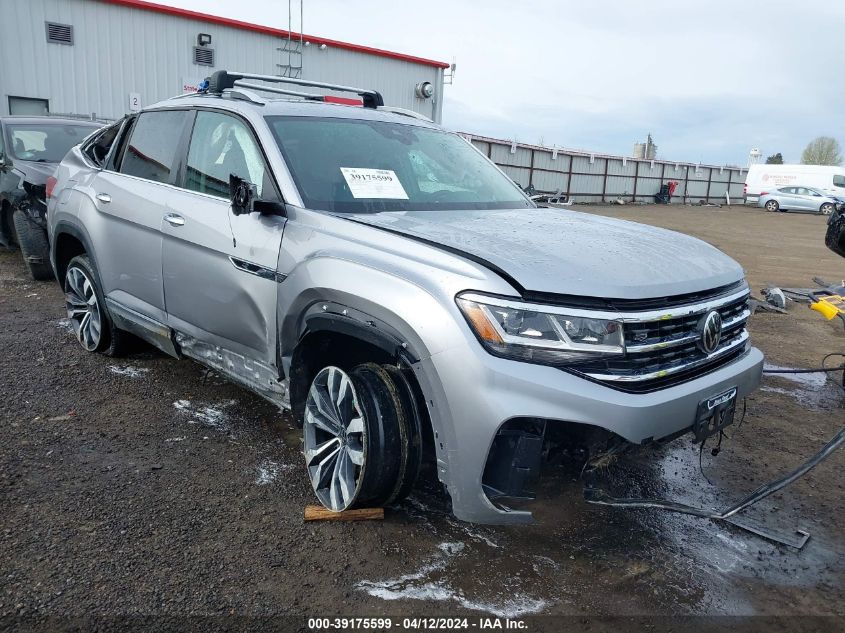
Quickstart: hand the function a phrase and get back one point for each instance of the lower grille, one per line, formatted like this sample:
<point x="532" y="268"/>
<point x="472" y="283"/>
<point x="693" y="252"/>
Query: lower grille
<point x="660" y="348"/>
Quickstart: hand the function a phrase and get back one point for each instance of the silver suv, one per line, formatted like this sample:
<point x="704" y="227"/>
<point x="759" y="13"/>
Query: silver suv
<point x="386" y="282"/>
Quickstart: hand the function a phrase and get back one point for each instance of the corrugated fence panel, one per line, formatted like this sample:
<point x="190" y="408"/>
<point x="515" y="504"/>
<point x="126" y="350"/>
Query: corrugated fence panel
<point x="586" y="184"/>
<point x="543" y="160"/>
<point x="635" y="180"/>
<point x="616" y="168"/>
<point x="582" y="165"/>
<point x="549" y="181"/>
<point x="518" y="174"/>
<point x="697" y="189"/>
<point x="482" y="146"/>
<point x="619" y="186"/>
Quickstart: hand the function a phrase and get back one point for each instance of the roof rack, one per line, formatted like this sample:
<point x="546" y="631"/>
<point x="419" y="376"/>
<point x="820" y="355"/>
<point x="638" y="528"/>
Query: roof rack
<point x="224" y="80"/>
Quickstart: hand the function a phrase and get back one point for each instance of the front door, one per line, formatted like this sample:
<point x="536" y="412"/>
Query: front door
<point x="129" y="204"/>
<point x="219" y="270"/>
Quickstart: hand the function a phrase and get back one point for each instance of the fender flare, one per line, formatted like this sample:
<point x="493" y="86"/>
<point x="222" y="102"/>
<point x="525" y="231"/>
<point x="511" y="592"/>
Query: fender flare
<point x="341" y="319"/>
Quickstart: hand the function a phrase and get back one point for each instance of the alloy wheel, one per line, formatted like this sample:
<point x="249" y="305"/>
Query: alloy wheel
<point x="83" y="309"/>
<point x="335" y="439"/>
<point x="827" y="209"/>
<point x="771" y="205"/>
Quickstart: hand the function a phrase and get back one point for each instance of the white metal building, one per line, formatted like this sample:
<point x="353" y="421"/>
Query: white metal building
<point x="108" y="57"/>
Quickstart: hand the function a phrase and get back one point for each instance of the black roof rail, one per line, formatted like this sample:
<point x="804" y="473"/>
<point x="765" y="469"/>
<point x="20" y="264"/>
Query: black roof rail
<point x="223" y="80"/>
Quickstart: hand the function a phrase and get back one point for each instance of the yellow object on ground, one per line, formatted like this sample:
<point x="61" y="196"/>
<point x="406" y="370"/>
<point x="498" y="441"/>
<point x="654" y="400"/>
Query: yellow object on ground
<point x="830" y="306"/>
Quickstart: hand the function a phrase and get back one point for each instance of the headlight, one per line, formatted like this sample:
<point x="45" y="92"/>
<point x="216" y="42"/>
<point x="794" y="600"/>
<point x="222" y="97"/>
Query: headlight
<point x="537" y="333"/>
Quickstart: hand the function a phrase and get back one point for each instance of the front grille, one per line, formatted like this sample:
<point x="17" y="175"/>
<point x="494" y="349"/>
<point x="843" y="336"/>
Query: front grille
<point x="663" y="348"/>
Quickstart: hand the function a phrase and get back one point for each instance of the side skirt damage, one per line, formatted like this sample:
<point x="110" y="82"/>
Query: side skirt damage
<point x="259" y="377"/>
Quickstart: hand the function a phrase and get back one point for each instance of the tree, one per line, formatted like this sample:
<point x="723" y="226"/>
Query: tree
<point x="822" y="151"/>
<point x="775" y="159"/>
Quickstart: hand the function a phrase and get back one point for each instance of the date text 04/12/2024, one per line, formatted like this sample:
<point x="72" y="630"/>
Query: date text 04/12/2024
<point x="416" y="624"/>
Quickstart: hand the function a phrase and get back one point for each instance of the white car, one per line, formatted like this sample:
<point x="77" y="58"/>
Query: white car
<point x="799" y="199"/>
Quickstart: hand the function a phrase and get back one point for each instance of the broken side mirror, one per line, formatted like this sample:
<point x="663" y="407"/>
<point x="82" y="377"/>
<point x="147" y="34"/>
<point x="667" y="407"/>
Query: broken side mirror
<point x="244" y="197"/>
<point x="242" y="194"/>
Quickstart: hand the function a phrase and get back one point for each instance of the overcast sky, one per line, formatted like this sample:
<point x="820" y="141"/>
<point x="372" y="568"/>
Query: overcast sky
<point x="709" y="79"/>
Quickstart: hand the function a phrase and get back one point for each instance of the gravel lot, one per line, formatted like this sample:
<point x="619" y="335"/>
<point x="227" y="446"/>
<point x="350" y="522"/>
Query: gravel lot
<point x="145" y="485"/>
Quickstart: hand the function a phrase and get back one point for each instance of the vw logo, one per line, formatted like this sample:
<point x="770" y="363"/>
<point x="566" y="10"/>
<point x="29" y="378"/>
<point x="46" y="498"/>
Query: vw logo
<point x="711" y="332"/>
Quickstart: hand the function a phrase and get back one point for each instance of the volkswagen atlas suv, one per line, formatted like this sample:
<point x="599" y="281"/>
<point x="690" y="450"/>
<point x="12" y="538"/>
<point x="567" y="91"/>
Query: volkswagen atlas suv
<point x="386" y="282"/>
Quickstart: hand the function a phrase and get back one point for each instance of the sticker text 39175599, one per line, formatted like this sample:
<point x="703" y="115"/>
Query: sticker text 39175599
<point x="373" y="183"/>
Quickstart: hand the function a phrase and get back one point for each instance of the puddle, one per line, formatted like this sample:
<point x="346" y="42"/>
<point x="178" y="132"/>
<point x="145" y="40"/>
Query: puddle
<point x="213" y="417"/>
<point x="433" y="582"/>
<point x="721" y="557"/>
<point x="814" y="391"/>
<point x="129" y="371"/>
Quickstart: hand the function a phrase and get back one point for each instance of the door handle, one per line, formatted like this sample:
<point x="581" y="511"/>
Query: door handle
<point x="174" y="219"/>
<point x="104" y="198"/>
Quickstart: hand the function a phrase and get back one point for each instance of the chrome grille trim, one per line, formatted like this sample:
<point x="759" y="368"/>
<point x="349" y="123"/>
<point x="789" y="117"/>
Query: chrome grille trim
<point x="726" y="326"/>
<point x="721" y="351"/>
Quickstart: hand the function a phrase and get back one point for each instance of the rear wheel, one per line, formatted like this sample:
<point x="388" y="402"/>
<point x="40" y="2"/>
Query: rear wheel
<point x="827" y="208"/>
<point x="35" y="248"/>
<point x="361" y="441"/>
<point x="772" y="205"/>
<point x="86" y="310"/>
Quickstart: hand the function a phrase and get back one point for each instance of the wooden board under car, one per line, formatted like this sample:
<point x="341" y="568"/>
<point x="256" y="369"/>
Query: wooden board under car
<point x="319" y="513"/>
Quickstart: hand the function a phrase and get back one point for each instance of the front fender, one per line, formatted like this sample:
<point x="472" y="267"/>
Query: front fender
<point x="397" y="308"/>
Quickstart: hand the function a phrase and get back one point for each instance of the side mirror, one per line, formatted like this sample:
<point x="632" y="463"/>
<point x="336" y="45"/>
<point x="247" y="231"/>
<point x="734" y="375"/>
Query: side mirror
<point x="244" y="197"/>
<point x="242" y="194"/>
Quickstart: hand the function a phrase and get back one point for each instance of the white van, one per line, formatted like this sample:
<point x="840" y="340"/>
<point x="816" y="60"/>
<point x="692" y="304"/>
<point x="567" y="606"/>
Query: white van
<point x="763" y="178"/>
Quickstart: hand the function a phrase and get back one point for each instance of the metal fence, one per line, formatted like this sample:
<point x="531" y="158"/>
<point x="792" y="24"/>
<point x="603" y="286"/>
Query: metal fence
<point x="588" y="177"/>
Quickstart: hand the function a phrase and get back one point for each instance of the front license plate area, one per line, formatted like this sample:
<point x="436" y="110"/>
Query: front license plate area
<point x="714" y="414"/>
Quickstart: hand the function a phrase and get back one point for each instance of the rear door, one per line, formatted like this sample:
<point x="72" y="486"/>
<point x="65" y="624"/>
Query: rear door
<point x="130" y="203"/>
<point x="803" y="199"/>
<point x="220" y="280"/>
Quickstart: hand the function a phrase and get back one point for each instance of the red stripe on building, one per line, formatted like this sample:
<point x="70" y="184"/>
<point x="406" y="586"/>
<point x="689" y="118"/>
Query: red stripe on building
<point x="267" y="30"/>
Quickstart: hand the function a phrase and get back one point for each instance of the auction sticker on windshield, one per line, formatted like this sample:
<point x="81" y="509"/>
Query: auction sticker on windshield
<point x="373" y="183"/>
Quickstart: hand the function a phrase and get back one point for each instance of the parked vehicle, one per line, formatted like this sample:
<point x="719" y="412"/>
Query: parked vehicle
<point x="830" y="180"/>
<point x="799" y="199"/>
<point x="388" y="283"/>
<point x="30" y="148"/>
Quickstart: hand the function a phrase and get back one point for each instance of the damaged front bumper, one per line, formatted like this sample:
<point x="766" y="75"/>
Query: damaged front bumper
<point x="473" y="399"/>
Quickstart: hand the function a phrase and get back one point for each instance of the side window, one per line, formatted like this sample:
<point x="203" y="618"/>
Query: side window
<point x="787" y="190"/>
<point x="839" y="181"/>
<point x="97" y="149"/>
<point x="153" y="146"/>
<point x="222" y="145"/>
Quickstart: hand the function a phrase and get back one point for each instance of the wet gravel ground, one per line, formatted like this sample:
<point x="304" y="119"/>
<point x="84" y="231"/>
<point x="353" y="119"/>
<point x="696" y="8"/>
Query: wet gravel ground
<point x="145" y="485"/>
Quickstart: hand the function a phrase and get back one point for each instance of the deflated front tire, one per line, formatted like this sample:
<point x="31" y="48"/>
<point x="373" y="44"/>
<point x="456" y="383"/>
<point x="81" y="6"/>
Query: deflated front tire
<point x="361" y="443"/>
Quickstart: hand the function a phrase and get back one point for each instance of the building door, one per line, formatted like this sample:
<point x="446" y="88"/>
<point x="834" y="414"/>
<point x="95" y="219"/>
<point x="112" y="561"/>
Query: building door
<point x="28" y="107"/>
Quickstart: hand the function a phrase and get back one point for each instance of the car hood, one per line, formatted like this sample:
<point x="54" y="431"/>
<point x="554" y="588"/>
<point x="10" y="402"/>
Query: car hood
<point x="567" y="252"/>
<point x="35" y="173"/>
